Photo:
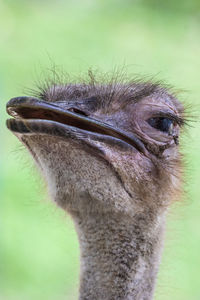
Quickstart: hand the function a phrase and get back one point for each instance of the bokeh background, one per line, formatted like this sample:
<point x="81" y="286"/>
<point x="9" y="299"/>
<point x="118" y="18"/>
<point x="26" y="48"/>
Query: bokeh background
<point x="39" y="254"/>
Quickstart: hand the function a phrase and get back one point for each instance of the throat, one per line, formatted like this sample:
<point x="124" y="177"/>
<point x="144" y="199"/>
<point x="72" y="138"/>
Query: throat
<point x="119" y="256"/>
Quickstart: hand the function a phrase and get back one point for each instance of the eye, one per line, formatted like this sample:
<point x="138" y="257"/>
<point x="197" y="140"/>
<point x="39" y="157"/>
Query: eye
<point x="162" y="124"/>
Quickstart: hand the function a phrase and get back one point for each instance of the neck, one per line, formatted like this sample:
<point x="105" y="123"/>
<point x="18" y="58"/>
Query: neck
<point x="119" y="256"/>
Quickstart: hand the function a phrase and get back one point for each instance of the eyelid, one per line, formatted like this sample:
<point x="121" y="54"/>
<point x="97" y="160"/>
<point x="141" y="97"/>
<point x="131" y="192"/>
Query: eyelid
<point x="178" y="120"/>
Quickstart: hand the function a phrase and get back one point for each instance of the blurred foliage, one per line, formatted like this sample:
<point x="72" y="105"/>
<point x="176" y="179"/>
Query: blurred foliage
<point x="177" y="6"/>
<point x="38" y="245"/>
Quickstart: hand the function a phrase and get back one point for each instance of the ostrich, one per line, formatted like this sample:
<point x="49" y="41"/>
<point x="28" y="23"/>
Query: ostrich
<point x="109" y="153"/>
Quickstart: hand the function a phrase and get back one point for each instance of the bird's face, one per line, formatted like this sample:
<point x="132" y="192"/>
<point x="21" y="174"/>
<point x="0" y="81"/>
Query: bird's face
<point x="103" y="147"/>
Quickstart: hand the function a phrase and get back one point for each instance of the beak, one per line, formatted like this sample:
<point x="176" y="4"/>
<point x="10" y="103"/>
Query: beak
<point x="29" y="113"/>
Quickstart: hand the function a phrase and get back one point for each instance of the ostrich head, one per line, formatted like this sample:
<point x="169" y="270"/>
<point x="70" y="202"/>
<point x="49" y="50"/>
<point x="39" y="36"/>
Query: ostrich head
<point x="109" y="153"/>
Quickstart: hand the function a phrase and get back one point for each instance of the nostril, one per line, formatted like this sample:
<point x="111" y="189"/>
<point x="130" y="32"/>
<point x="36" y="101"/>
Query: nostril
<point x="78" y="111"/>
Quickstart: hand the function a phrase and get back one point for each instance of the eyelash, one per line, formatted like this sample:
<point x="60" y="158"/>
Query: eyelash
<point x="175" y="119"/>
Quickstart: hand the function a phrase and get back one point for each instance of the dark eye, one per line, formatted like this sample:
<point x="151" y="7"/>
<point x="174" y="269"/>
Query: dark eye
<point x="162" y="124"/>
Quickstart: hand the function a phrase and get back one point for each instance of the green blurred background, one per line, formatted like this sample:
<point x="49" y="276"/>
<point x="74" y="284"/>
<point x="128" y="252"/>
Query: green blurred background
<point x="39" y="255"/>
